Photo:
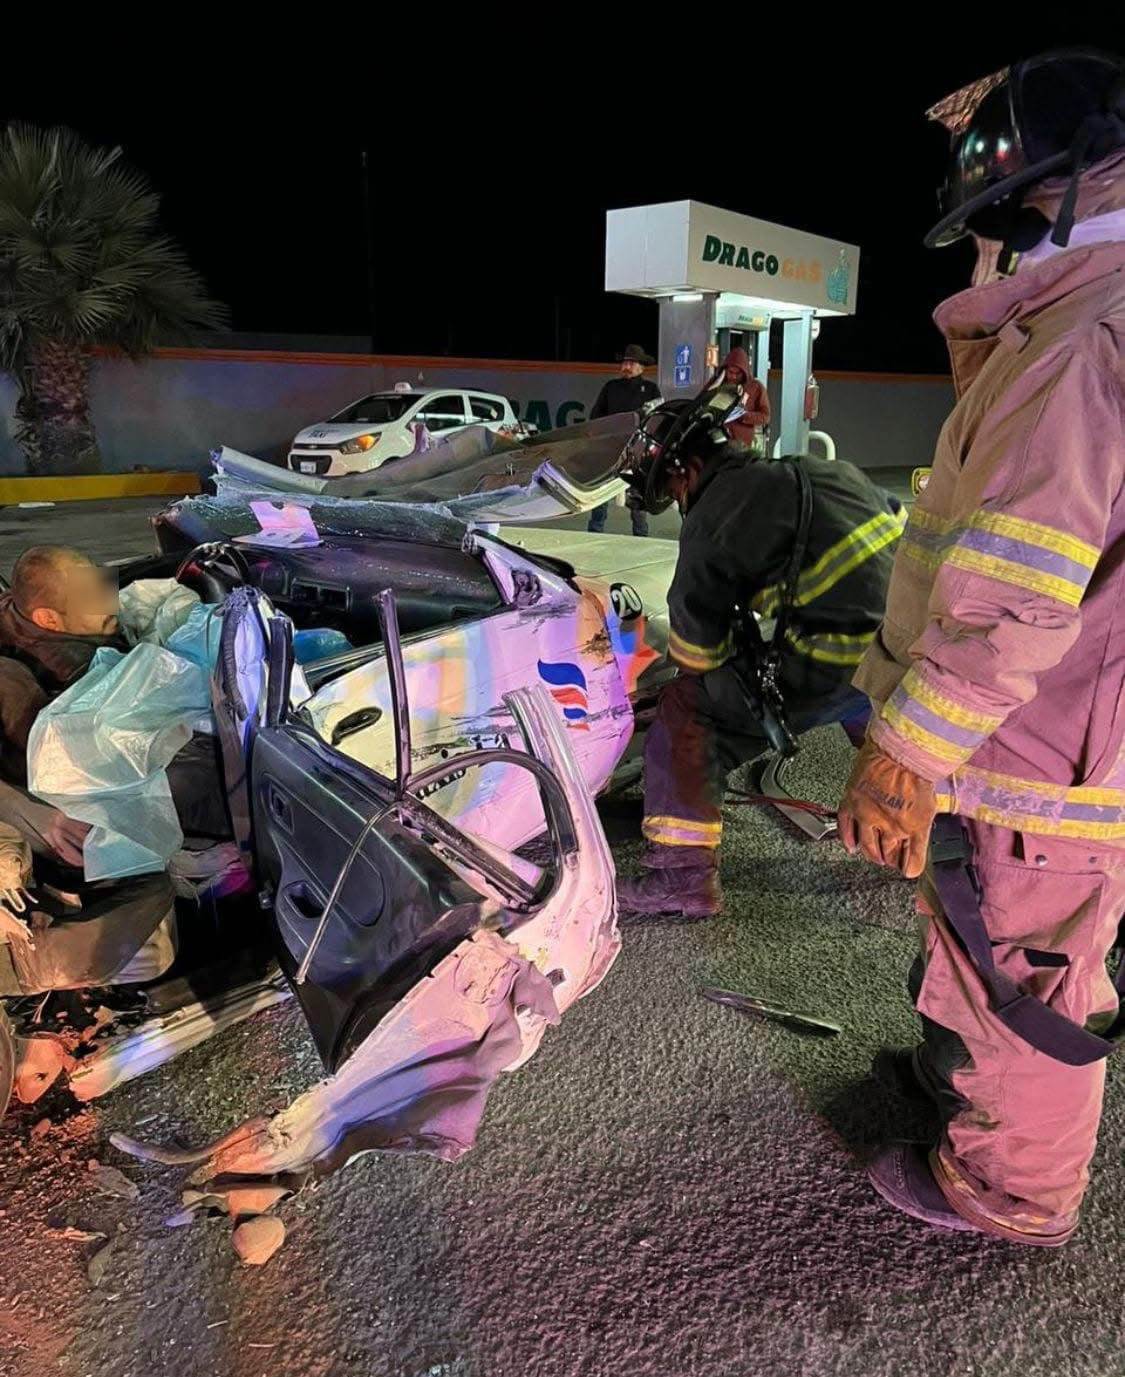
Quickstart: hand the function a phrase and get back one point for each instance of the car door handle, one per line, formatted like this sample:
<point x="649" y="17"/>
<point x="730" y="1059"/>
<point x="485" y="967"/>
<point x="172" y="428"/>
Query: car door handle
<point x="307" y="904"/>
<point x="355" y="722"/>
<point x="279" y="809"/>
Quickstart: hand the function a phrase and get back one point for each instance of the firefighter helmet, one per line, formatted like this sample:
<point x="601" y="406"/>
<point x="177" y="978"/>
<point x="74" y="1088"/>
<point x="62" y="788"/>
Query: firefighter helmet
<point x="675" y="431"/>
<point x="1050" y="115"/>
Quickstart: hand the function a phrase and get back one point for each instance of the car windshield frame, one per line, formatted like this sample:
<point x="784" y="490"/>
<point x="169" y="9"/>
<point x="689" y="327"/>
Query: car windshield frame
<point x="409" y="400"/>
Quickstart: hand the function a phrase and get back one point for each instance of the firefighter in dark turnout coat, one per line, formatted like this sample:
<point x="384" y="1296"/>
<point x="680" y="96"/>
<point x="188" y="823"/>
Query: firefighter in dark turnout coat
<point x="743" y="519"/>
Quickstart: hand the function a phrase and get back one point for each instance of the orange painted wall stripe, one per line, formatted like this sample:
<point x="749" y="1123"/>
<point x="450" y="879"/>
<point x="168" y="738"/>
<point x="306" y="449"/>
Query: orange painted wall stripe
<point x="498" y="365"/>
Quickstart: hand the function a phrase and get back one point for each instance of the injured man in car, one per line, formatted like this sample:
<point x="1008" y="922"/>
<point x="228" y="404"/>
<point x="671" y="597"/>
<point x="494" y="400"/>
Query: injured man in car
<point x="60" y="926"/>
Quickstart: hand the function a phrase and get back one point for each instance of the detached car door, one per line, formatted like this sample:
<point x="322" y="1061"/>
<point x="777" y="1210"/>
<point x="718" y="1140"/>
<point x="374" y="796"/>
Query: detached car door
<point x="367" y="889"/>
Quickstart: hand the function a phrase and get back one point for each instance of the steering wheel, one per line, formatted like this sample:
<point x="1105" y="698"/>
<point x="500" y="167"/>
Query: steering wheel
<point x="214" y="570"/>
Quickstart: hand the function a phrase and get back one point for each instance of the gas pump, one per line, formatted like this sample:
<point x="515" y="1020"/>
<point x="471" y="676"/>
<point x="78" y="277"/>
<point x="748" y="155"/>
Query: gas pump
<point x="720" y="280"/>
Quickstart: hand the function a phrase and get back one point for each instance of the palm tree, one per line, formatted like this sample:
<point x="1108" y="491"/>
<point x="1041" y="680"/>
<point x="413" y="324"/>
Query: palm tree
<point x="82" y="264"/>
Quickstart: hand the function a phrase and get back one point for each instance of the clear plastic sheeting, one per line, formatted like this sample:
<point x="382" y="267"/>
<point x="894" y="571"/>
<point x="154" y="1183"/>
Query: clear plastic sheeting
<point x="152" y="609"/>
<point x="99" y="751"/>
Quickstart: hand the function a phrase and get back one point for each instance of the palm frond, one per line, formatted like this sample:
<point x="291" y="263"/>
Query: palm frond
<point x="82" y="260"/>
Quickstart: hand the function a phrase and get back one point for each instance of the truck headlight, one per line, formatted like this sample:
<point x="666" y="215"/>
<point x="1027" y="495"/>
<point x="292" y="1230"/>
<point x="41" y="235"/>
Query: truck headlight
<point x="360" y="445"/>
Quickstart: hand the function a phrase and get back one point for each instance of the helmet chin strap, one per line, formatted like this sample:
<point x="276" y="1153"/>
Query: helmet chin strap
<point x="1079" y="150"/>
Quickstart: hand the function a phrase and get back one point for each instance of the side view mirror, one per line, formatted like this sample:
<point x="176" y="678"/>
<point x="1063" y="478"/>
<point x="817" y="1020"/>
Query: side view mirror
<point x="355" y="722"/>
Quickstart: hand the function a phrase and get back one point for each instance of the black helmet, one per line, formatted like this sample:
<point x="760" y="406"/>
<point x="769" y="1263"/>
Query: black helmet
<point x="673" y="432"/>
<point x="1060" y="112"/>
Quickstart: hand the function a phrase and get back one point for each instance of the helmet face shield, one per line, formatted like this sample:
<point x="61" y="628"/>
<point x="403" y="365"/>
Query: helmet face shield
<point x="1019" y="127"/>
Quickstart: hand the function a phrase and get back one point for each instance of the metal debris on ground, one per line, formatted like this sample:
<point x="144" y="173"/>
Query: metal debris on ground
<point x="110" y="1181"/>
<point x="750" y="1004"/>
<point x="98" y="1265"/>
<point x="41" y="1061"/>
<point x="258" y="1239"/>
<point x="76" y="1235"/>
<point x="239" y="1202"/>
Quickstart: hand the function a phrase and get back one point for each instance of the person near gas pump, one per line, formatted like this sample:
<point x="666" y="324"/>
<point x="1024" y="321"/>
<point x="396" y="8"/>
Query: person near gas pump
<point x="631" y="391"/>
<point x="998" y="676"/>
<point x="755" y="416"/>
<point x="804" y="542"/>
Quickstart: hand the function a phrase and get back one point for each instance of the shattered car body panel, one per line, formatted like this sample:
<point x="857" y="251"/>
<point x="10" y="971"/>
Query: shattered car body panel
<point x="630" y="578"/>
<point x="399" y="913"/>
<point x="458" y="679"/>
<point x="418" y="1081"/>
<point x="561" y="471"/>
<point x="480" y="619"/>
<point x="483" y="480"/>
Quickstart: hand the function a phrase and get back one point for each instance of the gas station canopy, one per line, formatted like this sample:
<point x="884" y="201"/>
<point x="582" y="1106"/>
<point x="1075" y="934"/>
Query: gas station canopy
<point x="683" y="247"/>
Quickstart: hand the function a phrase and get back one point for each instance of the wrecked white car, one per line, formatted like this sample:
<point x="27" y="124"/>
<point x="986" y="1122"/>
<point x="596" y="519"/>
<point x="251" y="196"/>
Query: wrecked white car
<point x="403" y="700"/>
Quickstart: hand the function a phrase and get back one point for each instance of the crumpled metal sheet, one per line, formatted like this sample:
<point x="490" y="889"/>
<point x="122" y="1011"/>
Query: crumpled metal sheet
<point x="420" y="1080"/>
<point x="418" y="1084"/>
<point x="232" y="516"/>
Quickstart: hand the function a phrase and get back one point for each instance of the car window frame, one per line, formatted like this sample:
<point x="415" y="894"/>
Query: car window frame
<point x="360" y="655"/>
<point x="435" y="396"/>
<point x="493" y="400"/>
<point x="368" y="396"/>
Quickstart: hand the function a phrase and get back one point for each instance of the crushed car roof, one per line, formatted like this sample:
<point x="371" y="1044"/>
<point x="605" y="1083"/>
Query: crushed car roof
<point x="233" y="516"/>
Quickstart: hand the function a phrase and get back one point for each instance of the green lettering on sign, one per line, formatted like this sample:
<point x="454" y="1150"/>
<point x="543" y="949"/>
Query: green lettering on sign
<point x="566" y="410"/>
<point x="712" y="247"/>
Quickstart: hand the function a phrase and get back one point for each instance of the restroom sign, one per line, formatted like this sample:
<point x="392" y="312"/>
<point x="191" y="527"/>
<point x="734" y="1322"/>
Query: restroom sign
<point x="683" y="376"/>
<point x="683" y="356"/>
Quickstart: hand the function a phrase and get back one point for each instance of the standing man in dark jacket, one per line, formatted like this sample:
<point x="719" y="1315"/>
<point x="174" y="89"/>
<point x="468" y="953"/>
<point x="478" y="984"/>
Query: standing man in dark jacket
<point x="629" y="392"/>
<point x="755" y="398"/>
<point x="749" y="526"/>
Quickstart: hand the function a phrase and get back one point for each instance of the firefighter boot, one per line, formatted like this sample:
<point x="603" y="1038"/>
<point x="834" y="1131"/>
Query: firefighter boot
<point x="674" y="881"/>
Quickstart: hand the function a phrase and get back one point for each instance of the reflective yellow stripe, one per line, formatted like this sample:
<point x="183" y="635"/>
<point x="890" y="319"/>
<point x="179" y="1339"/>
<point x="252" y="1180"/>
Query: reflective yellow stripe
<point x="1035" y="805"/>
<point x="929" y="559"/>
<point x="946" y="751"/>
<point x="928" y="521"/>
<point x="834" y="648"/>
<point x="697" y="657"/>
<point x="916" y="687"/>
<point x="839" y="560"/>
<point x="693" y="824"/>
<point x="1097" y="797"/>
<point x="1020" y="575"/>
<point x="864" y="542"/>
<point x="668" y="831"/>
<point x="766" y="602"/>
<point x="1074" y="828"/>
<point x="1034" y="533"/>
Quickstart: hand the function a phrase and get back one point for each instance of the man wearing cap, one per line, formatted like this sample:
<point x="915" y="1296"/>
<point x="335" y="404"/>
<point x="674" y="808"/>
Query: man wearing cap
<point x="629" y="392"/>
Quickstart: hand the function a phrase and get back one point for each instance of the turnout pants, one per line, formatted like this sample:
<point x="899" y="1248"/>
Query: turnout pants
<point x="704" y="728"/>
<point x="1019" y="1126"/>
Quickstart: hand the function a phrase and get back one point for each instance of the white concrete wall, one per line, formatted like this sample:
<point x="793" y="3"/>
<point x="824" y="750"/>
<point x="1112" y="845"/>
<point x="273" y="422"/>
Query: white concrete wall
<point x="171" y="410"/>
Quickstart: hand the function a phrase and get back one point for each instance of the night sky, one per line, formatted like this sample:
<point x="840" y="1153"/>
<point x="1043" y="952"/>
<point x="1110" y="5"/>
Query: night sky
<point x="490" y="181"/>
